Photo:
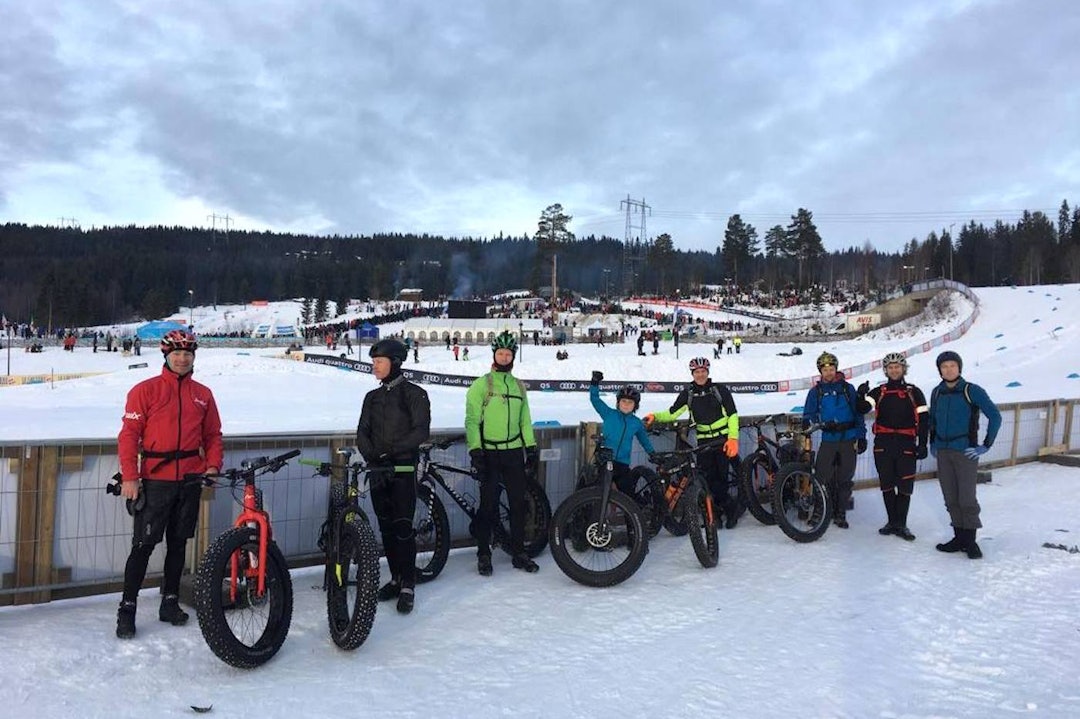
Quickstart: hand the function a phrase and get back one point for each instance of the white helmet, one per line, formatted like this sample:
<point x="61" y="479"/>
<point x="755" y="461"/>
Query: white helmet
<point x="894" y="358"/>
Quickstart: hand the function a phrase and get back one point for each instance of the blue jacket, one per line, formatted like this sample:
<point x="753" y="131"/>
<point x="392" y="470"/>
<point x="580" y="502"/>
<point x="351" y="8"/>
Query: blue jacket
<point x="620" y="429"/>
<point x="954" y="423"/>
<point x="835" y="402"/>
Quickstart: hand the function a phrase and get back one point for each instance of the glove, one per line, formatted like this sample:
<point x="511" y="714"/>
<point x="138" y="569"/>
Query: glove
<point x="920" y="452"/>
<point x="863" y="389"/>
<point x="478" y="461"/>
<point x="532" y="460"/>
<point x="597" y="378"/>
<point x="830" y="426"/>
<point x="649" y="419"/>
<point x="860" y="445"/>
<point x="731" y="447"/>
<point x="976" y="452"/>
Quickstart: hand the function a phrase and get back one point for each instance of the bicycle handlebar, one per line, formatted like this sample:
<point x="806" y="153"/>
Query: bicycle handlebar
<point x="247" y="468"/>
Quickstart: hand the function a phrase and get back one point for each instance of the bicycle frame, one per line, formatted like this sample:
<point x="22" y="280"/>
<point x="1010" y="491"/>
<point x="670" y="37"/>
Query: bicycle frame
<point x="252" y="515"/>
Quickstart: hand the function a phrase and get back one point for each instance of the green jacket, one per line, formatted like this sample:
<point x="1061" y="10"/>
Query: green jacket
<point x="497" y="413"/>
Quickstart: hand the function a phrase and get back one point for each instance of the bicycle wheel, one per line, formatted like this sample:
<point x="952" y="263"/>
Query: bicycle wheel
<point x="353" y="581"/>
<point x="758" y="473"/>
<point x="537" y="519"/>
<point x="649" y="495"/>
<point x="432" y="534"/>
<point x="596" y="558"/>
<point x="701" y="520"/>
<point x="801" y="503"/>
<point x="241" y="627"/>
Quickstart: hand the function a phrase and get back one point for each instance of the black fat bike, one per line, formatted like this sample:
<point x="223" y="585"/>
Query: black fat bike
<point x="801" y="503"/>
<point x="758" y="472"/>
<point x="432" y="523"/>
<point x="598" y="535"/>
<point x="351" y="578"/>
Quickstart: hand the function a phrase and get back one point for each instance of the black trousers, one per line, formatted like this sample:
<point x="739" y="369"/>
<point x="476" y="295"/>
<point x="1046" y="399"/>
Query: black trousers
<point x="835" y="466"/>
<point x="894" y="458"/>
<point x="716" y="466"/>
<point x="393" y="497"/>
<point x="504" y="467"/>
<point x="170" y="512"/>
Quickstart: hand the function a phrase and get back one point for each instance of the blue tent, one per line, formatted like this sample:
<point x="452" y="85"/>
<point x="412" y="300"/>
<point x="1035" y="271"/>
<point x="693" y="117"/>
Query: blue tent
<point x="368" y="331"/>
<point x="156" y="330"/>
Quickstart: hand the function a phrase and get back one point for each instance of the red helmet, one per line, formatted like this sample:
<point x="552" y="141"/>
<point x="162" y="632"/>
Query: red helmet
<point x="699" y="363"/>
<point x="178" y="340"/>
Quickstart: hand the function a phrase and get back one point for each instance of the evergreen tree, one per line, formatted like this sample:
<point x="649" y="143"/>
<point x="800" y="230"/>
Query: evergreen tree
<point x="307" y="313"/>
<point x="803" y="241"/>
<point x="740" y="245"/>
<point x="662" y="258"/>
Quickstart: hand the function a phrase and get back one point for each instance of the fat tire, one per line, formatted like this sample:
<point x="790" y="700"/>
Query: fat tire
<point x="783" y="494"/>
<point x="358" y="558"/>
<point x="758" y="498"/>
<point x="569" y="520"/>
<point x="432" y="534"/>
<point x="212" y="603"/>
<point x="537" y="519"/>
<point x="703" y="535"/>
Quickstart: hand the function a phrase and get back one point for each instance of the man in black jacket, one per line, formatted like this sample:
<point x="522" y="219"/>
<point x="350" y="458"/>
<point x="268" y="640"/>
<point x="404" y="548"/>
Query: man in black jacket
<point x="901" y="426"/>
<point x="394" y="421"/>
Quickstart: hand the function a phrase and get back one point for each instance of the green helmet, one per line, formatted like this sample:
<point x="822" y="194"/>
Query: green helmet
<point x="827" y="358"/>
<point x="504" y="341"/>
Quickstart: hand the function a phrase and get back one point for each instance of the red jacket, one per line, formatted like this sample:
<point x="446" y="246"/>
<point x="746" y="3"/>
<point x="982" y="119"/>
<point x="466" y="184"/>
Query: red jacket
<point x="165" y="414"/>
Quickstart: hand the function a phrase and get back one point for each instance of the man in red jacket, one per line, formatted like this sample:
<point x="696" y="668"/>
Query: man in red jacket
<point x="171" y="427"/>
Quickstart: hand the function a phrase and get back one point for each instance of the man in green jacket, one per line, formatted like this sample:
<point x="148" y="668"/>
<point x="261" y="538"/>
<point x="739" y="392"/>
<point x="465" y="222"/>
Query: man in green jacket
<point x="502" y="448"/>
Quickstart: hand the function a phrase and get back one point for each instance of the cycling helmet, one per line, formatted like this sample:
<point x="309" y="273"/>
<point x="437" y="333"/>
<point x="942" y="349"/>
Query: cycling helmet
<point x="504" y="341"/>
<point x="390" y="348"/>
<point x="949" y="356"/>
<point x="827" y="358"/>
<point x="699" y="363"/>
<point x="894" y="358"/>
<point x="178" y="340"/>
<point x="632" y="393"/>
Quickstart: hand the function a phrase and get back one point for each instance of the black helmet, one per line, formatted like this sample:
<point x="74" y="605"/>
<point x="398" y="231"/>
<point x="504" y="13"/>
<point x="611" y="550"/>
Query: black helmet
<point x="630" y="392"/>
<point x="390" y="348"/>
<point x="949" y="356"/>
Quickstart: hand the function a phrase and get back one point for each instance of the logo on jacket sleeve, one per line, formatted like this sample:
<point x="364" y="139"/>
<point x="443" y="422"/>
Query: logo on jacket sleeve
<point x="133" y="416"/>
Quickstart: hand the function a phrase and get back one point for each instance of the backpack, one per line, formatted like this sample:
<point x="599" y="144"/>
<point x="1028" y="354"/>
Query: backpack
<point x="851" y="403"/>
<point x="973" y="422"/>
<point x="906" y="390"/>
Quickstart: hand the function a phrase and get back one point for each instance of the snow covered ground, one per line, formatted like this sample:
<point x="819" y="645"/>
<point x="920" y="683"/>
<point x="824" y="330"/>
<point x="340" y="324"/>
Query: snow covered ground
<point x="855" y="625"/>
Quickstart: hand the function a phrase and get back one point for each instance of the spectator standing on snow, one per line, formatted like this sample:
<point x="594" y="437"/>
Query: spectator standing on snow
<point x="171" y="428"/>
<point x="955" y="405"/>
<point x="832" y="402"/>
<point x="900" y="428"/>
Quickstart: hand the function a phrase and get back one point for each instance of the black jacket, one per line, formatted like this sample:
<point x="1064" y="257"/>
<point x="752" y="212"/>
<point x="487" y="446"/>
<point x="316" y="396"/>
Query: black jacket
<point x="394" y="421"/>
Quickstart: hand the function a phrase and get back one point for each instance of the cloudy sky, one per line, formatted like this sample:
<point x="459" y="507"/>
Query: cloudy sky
<point x="886" y="119"/>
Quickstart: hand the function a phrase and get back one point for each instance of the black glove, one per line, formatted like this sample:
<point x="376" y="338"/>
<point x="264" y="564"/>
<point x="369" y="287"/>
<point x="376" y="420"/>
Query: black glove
<point x="532" y="460"/>
<point x="920" y="452"/>
<point x="830" y="426"/>
<point x="863" y="389"/>
<point x="597" y="378"/>
<point x="860" y="445"/>
<point x="479" y="462"/>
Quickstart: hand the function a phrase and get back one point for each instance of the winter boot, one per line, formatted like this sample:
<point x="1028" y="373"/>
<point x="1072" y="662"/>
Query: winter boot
<point x="125" y="620"/>
<point x="840" y="519"/>
<point x="171" y="612"/>
<point x="483" y="564"/>
<point x="956" y="544"/>
<point x="389" y="591"/>
<point x="525" y="563"/>
<point x="972" y="549"/>
<point x="902" y="503"/>
<point x="890" y="511"/>
<point x="406" y="599"/>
